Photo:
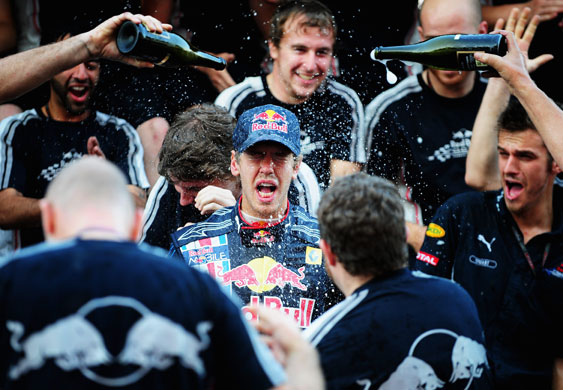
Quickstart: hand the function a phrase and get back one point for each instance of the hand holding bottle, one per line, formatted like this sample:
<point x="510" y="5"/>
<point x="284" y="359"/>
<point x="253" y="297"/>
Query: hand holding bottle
<point x="101" y="42"/>
<point x="164" y="49"/>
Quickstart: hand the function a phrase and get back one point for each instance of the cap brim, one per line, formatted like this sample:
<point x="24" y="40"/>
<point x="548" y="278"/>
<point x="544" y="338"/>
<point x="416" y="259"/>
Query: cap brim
<point x="264" y="136"/>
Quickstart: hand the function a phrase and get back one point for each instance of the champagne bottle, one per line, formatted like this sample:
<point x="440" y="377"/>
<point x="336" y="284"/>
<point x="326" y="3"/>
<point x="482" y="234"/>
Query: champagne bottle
<point x="447" y="52"/>
<point x="166" y="49"/>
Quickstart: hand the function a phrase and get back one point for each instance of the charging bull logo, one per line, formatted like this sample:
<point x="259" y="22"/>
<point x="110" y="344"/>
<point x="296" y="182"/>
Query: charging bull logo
<point x="263" y="274"/>
<point x="74" y="342"/>
<point x="269" y="120"/>
<point x="468" y="357"/>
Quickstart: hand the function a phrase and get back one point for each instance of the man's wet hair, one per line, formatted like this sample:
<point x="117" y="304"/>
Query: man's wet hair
<point x="198" y="145"/>
<point x="361" y="217"/>
<point x="515" y="119"/>
<point x="317" y="15"/>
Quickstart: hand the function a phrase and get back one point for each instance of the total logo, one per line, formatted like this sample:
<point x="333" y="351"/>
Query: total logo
<point x="302" y="314"/>
<point x="262" y="274"/>
<point x="269" y="120"/>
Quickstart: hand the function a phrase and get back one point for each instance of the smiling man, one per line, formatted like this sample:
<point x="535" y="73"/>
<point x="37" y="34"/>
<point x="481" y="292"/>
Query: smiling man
<point x="506" y="248"/>
<point x="264" y="249"/>
<point x="36" y="144"/>
<point x="301" y="44"/>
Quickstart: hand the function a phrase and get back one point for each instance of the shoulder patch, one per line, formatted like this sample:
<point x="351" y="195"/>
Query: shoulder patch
<point x="435" y="231"/>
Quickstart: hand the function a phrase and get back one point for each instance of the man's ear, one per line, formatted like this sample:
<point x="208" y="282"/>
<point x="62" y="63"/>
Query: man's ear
<point x="137" y="228"/>
<point x="273" y="50"/>
<point x="48" y="220"/>
<point x="329" y="255"/>
<point x="296" y="167"/>
<point x="555" y="168"/>
<point x="483" y="27"/>
<point x="234" y="164"/>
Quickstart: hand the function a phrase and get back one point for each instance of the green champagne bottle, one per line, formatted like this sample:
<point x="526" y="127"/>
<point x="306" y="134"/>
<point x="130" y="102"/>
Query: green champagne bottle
<point x="166" y="49"/>
<point x="446" y="52"/>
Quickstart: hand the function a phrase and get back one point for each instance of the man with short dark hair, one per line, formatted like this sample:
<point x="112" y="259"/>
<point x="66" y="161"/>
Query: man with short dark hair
<point x="264" y="248"/>
<point x="193" y="184"/>
<point x="302" y="39"/>
<point x="396" y="329"/>
<point x="36" y="144"/>
<point x="505" y="247"/>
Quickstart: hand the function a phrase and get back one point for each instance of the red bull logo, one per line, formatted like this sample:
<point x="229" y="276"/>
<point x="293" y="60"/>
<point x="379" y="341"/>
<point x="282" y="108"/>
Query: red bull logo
<point x="262" y="237"/>
<point x="263" y="274"/>
<point x="241" y="276"/>
<point x="302" y="315"/>
<point x="281" y="276"/>
<point x="269" y="120"/>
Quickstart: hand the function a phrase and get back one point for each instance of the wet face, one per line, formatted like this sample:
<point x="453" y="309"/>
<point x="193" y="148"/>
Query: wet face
<point x="266" y="170"/>
<point x="72" y="89"/>
<point x="301" y="61"/>
<point x="188" y="190"/>
<point x="441" y="18"/>
<point x="527" y="172"/>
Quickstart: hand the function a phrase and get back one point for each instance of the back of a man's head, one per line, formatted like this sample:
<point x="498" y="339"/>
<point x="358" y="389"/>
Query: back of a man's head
<point x="91" y="192"/>
<point x="361" y="218"/>
<point x="468" y="10"/>
<point x="198" y="145"/>
<point x="316" y="14"/>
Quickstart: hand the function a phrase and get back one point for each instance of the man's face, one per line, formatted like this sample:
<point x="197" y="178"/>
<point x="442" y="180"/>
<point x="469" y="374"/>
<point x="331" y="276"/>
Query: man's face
<point x="72" y="89"/>
<point x="526" y="171"/>
<point x="188" y="190"/>
<point x="440" y="18"/>
<point x="266" y="170"/>
<point x="301" y="61"/>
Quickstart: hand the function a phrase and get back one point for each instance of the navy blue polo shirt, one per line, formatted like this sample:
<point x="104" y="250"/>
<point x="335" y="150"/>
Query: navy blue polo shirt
<point x="473" y="240"/>
<point x="407" y="330"/>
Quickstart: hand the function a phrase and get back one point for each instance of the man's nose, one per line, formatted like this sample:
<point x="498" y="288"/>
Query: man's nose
<point x="267" y="164"/>
<point x="80" y="72"/>
<point x="187" y="198"/>
<point x="511" y="166"/>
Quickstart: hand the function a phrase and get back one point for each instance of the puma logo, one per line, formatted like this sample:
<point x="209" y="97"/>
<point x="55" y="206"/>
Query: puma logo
<point x="488" y="244"/>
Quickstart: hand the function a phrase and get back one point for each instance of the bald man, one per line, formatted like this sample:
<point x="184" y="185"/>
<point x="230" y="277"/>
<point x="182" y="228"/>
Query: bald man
<point x="420" y="129"/>
<point x="90" y="307"/>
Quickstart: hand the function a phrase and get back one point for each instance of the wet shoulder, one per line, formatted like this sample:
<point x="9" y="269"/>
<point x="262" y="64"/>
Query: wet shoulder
<point x="304" y="226"/>
<point x="220" y="222"/>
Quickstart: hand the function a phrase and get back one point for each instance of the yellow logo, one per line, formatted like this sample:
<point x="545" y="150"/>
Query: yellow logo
<point x="435" y="231"/>
<point x="313" y="256"/>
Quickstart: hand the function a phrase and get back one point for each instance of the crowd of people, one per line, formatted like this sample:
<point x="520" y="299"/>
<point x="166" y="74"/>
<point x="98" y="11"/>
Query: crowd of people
<point x="279" y="224"/>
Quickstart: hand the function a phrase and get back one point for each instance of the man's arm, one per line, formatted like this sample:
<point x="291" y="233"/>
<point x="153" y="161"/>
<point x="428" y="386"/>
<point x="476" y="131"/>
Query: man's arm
<point x="298" y="357"/>
<point x="18" y="211"/>
<point x="544" y="113"/>
<point x="21" y="72"/>
<point x="481" y="170"/>
<point x="342" y="168"/>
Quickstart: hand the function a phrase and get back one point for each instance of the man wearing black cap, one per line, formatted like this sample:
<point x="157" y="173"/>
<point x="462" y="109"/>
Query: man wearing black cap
<point x="263" y="249"/>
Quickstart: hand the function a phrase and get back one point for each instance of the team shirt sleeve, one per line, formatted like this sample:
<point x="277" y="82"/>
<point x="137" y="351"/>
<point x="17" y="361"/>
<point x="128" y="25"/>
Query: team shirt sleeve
<point x="436" y="256"/>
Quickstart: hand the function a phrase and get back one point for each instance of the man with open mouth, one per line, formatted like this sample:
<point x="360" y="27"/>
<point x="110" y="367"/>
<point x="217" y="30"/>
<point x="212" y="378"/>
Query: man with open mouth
<point x="264" y="249"/>
<point x="506" y="248"/>
<point x="36" y="144"/>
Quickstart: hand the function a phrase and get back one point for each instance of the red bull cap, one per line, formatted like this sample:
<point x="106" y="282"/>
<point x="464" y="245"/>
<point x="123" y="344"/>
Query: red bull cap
<point x="267" y="123"/>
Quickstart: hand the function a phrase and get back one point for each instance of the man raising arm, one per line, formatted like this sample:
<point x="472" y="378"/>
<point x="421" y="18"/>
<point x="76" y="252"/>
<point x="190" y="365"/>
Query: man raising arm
<point x="24" y="71"/>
